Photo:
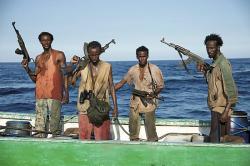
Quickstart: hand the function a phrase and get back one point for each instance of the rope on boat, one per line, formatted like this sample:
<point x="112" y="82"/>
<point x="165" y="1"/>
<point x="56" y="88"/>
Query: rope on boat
<point x="123" y="129"/>
<point x="141" y="139"/>
<point x="116" y="120"/>
<point x="73" y="116"/>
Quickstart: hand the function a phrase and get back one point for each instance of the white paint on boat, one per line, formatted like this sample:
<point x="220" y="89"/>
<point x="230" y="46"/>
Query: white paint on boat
<point x="175" y="130"/>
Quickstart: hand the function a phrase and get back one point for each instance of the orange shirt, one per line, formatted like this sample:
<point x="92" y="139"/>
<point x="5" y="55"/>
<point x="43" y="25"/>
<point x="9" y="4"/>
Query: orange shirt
<point x="49" y="81"/>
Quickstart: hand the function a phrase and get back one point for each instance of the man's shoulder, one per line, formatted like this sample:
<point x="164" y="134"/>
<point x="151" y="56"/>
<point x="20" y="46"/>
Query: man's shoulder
<point x="104" y="63"/>
<point x="134" y="67"/>
<point x="39" y="55"/>
<point x="58" y="52"/>
<point x="224" y="62"/>
<point x="153" y="66"/>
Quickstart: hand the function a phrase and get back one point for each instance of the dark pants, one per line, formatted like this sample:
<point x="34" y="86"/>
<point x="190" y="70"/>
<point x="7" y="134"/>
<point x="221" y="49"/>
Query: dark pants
<point x="134" y="125"/>
<point x="218" y="129"/>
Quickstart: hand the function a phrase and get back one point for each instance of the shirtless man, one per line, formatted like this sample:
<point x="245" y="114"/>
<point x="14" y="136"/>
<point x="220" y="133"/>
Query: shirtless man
<point x="101" y="84"/>
<point x="51" y="86"/>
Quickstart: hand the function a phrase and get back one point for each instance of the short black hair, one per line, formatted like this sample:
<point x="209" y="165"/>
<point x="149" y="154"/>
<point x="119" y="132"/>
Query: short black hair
<point x="142" y="48"/>
<point x="94" y="44"/>
<point x="214" y="37"/>
<point x="45" y="34"/>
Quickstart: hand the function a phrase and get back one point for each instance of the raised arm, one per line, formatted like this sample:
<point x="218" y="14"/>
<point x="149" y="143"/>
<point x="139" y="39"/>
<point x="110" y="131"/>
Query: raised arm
<point x="73" y="76"/>
<point x="31" y="73"/>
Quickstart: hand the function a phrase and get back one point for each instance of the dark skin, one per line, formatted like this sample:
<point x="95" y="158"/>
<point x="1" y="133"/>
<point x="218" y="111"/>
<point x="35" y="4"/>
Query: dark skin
<point x="213" y="51"/>
<point x="94" y="56"/>
<point x="61" y="62"/>
<point x="142" y="57"/>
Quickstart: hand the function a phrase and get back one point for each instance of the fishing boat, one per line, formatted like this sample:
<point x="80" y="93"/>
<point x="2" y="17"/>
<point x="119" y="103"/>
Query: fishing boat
<point x="181" y="143"/>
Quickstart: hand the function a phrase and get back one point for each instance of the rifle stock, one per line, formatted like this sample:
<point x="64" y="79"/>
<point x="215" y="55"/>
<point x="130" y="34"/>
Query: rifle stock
<point x="23" y="51"/>
<point x="191" y="56"/>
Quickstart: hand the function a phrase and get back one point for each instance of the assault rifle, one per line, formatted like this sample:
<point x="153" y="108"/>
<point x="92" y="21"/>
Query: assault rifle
<point x="144" y="96"/>
<point x="23" y="51"/>
<point x="191" y="56"/>
<point x="83" y="62"/>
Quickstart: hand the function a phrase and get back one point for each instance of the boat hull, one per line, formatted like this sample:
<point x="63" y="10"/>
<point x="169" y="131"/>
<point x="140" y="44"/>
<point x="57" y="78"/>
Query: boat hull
<point x="168" y="127"/>
<point x="119" y="151"/>
<point x="57" y="152"/>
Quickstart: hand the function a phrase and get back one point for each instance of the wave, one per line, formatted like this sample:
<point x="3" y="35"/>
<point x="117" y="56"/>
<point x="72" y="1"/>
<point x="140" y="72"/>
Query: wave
<point x="18" y="107"/>
<point x="244" y="71"/>
<point x="10" y="91"/>
<point x="185" y="94"/>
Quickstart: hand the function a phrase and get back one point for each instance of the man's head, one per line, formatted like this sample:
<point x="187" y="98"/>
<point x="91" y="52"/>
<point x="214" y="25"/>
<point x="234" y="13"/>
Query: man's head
<point x="46" y="39"/>
<point x="213" y="43"/>
<point x="94" y="50"/>
<point x="142" y="55"/>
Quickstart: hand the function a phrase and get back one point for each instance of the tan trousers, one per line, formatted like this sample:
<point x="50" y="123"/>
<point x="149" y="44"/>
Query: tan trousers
<point x="135" y="125"/>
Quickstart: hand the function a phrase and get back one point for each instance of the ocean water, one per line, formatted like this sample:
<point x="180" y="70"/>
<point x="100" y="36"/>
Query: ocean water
<point x="185" y="94"/>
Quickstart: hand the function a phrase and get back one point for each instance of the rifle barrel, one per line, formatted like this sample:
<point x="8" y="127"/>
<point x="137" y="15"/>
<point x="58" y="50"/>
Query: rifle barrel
<point x="13" y="24"/>
<point x="107" y="45"/>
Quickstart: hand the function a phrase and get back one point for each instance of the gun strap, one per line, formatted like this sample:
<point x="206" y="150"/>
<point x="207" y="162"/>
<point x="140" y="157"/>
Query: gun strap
<point x="93" y="81"/>
<point x="92" y="77"/>
<point x="153" y="85"/>
<point x="30" y="72"/>
<point x="184" y="64"/>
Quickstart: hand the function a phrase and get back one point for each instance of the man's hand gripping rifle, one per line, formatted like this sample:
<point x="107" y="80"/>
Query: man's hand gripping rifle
<point x="191" y="56"/>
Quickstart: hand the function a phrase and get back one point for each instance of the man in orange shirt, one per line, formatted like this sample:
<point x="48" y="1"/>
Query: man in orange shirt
<point x="51" y="86"/>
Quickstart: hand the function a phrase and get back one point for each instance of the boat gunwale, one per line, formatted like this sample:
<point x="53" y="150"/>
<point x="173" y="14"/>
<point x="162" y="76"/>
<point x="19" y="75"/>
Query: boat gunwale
<point x="185" y="144"/>
<point x="122" y="120"/>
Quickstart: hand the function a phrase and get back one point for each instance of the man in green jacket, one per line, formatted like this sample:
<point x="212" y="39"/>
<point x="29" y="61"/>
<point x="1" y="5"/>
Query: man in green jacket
<point x="222" y="91"/>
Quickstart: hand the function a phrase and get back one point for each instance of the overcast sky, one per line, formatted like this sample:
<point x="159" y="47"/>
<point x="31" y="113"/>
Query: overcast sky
<point x="132" y="23"/>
